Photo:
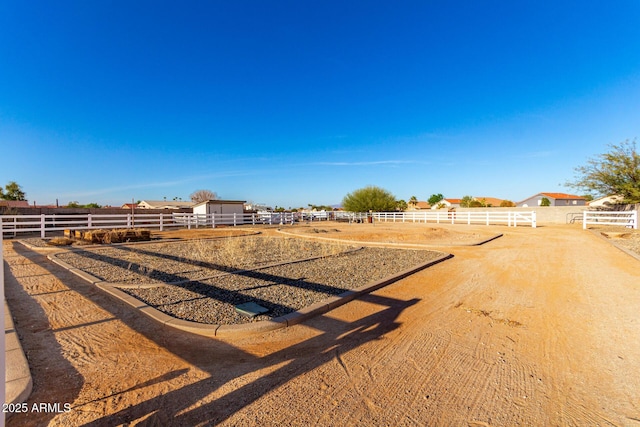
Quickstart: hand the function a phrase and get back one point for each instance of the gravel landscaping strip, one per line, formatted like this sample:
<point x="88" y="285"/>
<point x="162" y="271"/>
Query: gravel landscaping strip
<point x="206" y="299"/>
<point x="627" y="238"/>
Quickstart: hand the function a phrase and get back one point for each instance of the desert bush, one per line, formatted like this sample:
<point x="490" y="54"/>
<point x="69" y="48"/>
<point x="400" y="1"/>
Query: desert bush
<point x="60" y="241"/>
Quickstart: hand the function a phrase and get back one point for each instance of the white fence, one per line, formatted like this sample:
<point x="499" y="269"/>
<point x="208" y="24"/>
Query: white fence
<point x="14" y="224"/>
<point x="508" y="218"/>
<point x="624" y="218"/>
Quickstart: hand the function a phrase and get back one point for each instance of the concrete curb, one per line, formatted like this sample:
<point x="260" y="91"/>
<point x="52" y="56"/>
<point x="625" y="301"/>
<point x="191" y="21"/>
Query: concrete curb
<point x="18" y="381"/>
<point x="235" y="331"/>
<point x="391" y="244"/>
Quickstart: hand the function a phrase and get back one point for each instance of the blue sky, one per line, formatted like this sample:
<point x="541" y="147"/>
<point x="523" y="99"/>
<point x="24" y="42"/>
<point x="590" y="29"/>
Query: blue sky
<point x="295" y="102"/>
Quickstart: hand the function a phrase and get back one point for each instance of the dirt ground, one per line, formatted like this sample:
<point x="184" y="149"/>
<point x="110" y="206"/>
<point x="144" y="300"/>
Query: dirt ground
<point x="538" y="327"/>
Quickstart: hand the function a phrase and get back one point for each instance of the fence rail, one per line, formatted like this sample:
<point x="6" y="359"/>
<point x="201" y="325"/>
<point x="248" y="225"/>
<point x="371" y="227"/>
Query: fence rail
<point x="14" y="224"/>
<point x="623" y="218"/>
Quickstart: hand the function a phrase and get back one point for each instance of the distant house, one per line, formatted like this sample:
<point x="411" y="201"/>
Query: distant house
<point x="448" y="203"/>
<point x="556" y="199"/>
<point x="219" y="207"/>
<point x="14" y="204"/>
<point x="603" y="202"/>
<point x="129" y="206"/>
<point x="163" y="204"/>
<point x="418" y="206"/>
<point x="489" y="202"/>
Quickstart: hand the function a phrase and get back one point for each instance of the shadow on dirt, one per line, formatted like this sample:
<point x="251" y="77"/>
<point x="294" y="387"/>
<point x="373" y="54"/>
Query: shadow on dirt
<point x="221" y="360"/>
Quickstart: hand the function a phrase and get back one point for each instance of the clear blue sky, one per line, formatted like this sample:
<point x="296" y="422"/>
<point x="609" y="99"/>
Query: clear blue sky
<point x="294" y="102"/>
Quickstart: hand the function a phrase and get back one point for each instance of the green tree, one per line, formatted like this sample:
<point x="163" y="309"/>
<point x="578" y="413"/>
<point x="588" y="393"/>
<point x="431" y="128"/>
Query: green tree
<point x="614" y="172"/>
<point x="465" y="202"/>
<point x="13" y="192"/>
<point x="435" y="199"/>
<point x="401" y="205"/>
<point x="545" y="202"/>
<point x="507" y="204"/>
<point x="369" y="198"/>
<point x="413" y="201"/>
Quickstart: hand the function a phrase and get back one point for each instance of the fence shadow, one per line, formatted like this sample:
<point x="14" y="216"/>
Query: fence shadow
<point x="46" y="361"/>
<point x="224" y="362"/>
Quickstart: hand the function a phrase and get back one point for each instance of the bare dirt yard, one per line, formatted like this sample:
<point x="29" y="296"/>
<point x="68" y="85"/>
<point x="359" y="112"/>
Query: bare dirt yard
<point x="537" y="327"/>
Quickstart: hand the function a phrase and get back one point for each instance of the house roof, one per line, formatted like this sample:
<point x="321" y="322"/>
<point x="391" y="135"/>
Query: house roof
<point x="162" y="204"/>
<point x="606" y="200"/>
<point x="561" y="196"/>
<point x="453" y="200"/>
<point x="218" y="201"/>
<point x="422" y="205"/>
<point x="14" y="203"/>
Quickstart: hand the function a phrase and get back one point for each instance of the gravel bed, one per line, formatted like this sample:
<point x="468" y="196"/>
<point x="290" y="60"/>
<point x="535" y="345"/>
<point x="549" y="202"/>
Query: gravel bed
<point x="169" y="262"/>
<point x="212" y="280"/>
<point x="282" y="289"/>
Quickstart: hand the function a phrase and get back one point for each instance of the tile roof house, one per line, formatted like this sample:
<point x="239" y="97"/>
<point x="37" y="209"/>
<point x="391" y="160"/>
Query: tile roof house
<point x="164" y="204"/>
<point x="489" y="201"/>
<point x="606" y="201"/>
<point x="556" y="199"/>
<point x="418" y="206"/>
<point x="449" y="203"/>
<point x="14" y="203"/>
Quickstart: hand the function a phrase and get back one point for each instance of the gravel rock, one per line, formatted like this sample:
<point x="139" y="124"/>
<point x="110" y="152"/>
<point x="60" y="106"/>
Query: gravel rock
<point x="214" y="276"/>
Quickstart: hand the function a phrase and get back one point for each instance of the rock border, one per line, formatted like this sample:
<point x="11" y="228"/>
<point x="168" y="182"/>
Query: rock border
<point x="611" y="242"/>
<point x="394" y="244"/>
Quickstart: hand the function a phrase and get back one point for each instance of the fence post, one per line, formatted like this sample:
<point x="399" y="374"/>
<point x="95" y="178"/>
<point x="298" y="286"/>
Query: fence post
<point x="253" y="219"/>
<point x="487" y="217"/>
<point x="469" y="218"/>
<point x="89" y="221"/>
<point x="128" y="220"/>
<point x="584" y="220"/>
<point x="635" y="220"/>
<point x="533" y="219"/>
<point x="213" y="220"/>
<point x="234" y="219"/>
<point x="161" y="222"/>
<point x="42" y="220"/>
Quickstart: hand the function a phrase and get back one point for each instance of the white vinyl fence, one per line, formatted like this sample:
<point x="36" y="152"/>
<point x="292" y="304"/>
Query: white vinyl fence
<point x="509" y="218"/>
<point x="623" y="218"/>
<point x="42" y="224"/>
<point x="13" y="224"/>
